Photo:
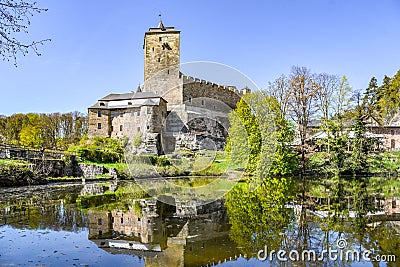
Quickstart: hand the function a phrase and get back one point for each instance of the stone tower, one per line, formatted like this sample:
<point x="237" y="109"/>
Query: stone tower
<point x="161" y="51"/>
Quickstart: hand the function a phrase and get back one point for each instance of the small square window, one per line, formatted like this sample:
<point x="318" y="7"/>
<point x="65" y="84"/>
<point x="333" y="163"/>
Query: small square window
<point x="148" y="127"/>
<point x="99" y="125"/>
<point x="129" y="103"/>
<point x="99" y="113"/>
<point x="148" y="110"/>
<point x="102" y="104"/>
<point x="160" y="39"/>
<point x="99" y="221"/>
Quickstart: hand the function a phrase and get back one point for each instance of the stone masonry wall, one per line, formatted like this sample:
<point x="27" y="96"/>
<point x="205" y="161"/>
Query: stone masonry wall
<point x="94" y="119"/>
<point x="197" y="92"/>
<point x="161" y="51"/>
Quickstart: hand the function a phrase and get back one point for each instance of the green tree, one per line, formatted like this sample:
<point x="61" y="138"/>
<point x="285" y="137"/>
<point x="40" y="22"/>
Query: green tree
<point x="31" y="134"/>
<point x="361" y="145"/>
<point x="260" y="134"/>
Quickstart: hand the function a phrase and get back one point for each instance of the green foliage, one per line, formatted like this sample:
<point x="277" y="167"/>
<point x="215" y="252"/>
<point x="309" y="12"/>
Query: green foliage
<point x="258" y="217"/>
<point x="259" y="135"/>
<point x="52" y="130"/>
<point x="99" y="149"/>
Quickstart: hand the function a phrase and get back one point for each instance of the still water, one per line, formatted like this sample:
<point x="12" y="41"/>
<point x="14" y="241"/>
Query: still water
<point x="113" y="224"/>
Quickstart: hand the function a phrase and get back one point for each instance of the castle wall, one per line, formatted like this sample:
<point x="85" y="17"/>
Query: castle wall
<point x="167" y="84"/>
<point x="94" y="120"/>
<point x="161" y="51"/>
<point x="199" y="93"/>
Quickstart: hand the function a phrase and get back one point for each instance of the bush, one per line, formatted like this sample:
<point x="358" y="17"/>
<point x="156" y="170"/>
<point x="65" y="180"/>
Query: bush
<point x="99" y="149"/>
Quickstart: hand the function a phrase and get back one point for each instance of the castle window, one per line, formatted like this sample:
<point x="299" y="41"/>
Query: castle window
<point x="112" y="128"/>
<point x="138" y="219"/>
<point x="148" y="127"/>
<point x="202" y="102"/>
<point x="148" y="110"/>
<point x="392" y="132"/>
<point x="138" y="129"/>
<point x="99" y="221"/>
<point x="138" y="112"/>
<point x="130" y="103"/>
<point x="99" y="126"/>
<point x="167" y="71"/>
<point x="122" y="220"/>
<point x="99" y="113"/>
<point x="153" y="48"/>
<point x="112" y="114"/>
<point x="190" y="100"/>
<point x="159" y="59"/>
<point x="160" y="39"/>
<point x="120" y="127"/>
<point x="102" y="104"/>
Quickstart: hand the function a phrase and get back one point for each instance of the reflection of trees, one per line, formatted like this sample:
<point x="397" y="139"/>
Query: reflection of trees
<point x="258" y="217"/>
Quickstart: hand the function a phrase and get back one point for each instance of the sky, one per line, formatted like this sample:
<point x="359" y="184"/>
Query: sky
<point x="96" y="46"/>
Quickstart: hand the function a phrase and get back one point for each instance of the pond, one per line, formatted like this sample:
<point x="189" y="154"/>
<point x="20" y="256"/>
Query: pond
<point x="277" y="224"/>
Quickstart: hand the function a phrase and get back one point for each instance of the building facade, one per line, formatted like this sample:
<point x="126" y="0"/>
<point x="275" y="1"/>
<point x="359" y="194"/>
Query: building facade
<point x="170" y="107"/>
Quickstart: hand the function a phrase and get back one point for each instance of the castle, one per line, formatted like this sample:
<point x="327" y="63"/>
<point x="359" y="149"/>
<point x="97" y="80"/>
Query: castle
<point x="170" y="110"/>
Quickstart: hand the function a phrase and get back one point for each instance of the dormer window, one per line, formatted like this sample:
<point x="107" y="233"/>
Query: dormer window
<point x="129" y="103"/>
<point x="102" y="104"/>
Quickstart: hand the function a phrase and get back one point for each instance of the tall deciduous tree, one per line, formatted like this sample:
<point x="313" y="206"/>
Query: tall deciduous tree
<point x="303" y="105"/>
<point x="15" y="19"/>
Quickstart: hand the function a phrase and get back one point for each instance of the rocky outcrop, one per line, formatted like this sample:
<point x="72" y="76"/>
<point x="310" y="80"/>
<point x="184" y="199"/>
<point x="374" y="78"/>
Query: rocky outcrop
<point x="19" y="176"/>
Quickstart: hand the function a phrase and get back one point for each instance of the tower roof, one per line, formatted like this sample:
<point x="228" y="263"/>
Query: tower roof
<point x="161" y="25"/>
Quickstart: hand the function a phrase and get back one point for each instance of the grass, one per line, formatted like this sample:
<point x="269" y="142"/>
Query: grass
<point x="13" y="162"/>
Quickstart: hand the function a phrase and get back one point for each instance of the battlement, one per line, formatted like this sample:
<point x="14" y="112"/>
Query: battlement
<point x="186" y="79"/>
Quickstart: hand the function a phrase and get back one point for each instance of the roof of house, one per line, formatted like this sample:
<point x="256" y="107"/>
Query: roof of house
<point x="127" y="96"/>
<point x="138" y="99"/>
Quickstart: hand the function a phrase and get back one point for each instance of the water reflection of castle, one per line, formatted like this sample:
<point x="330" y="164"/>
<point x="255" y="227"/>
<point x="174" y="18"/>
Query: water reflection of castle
<point x="153" y="231"/>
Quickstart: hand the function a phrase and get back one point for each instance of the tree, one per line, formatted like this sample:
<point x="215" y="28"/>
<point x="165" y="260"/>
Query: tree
<point x="360" y="143"/>
<point x="303" y="106"/>
<point x="14" y="20"/>
<point x="280" y="89"/>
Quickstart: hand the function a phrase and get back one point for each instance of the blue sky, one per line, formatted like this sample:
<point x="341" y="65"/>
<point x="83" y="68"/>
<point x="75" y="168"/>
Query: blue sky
<point x="96" y="46"/>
